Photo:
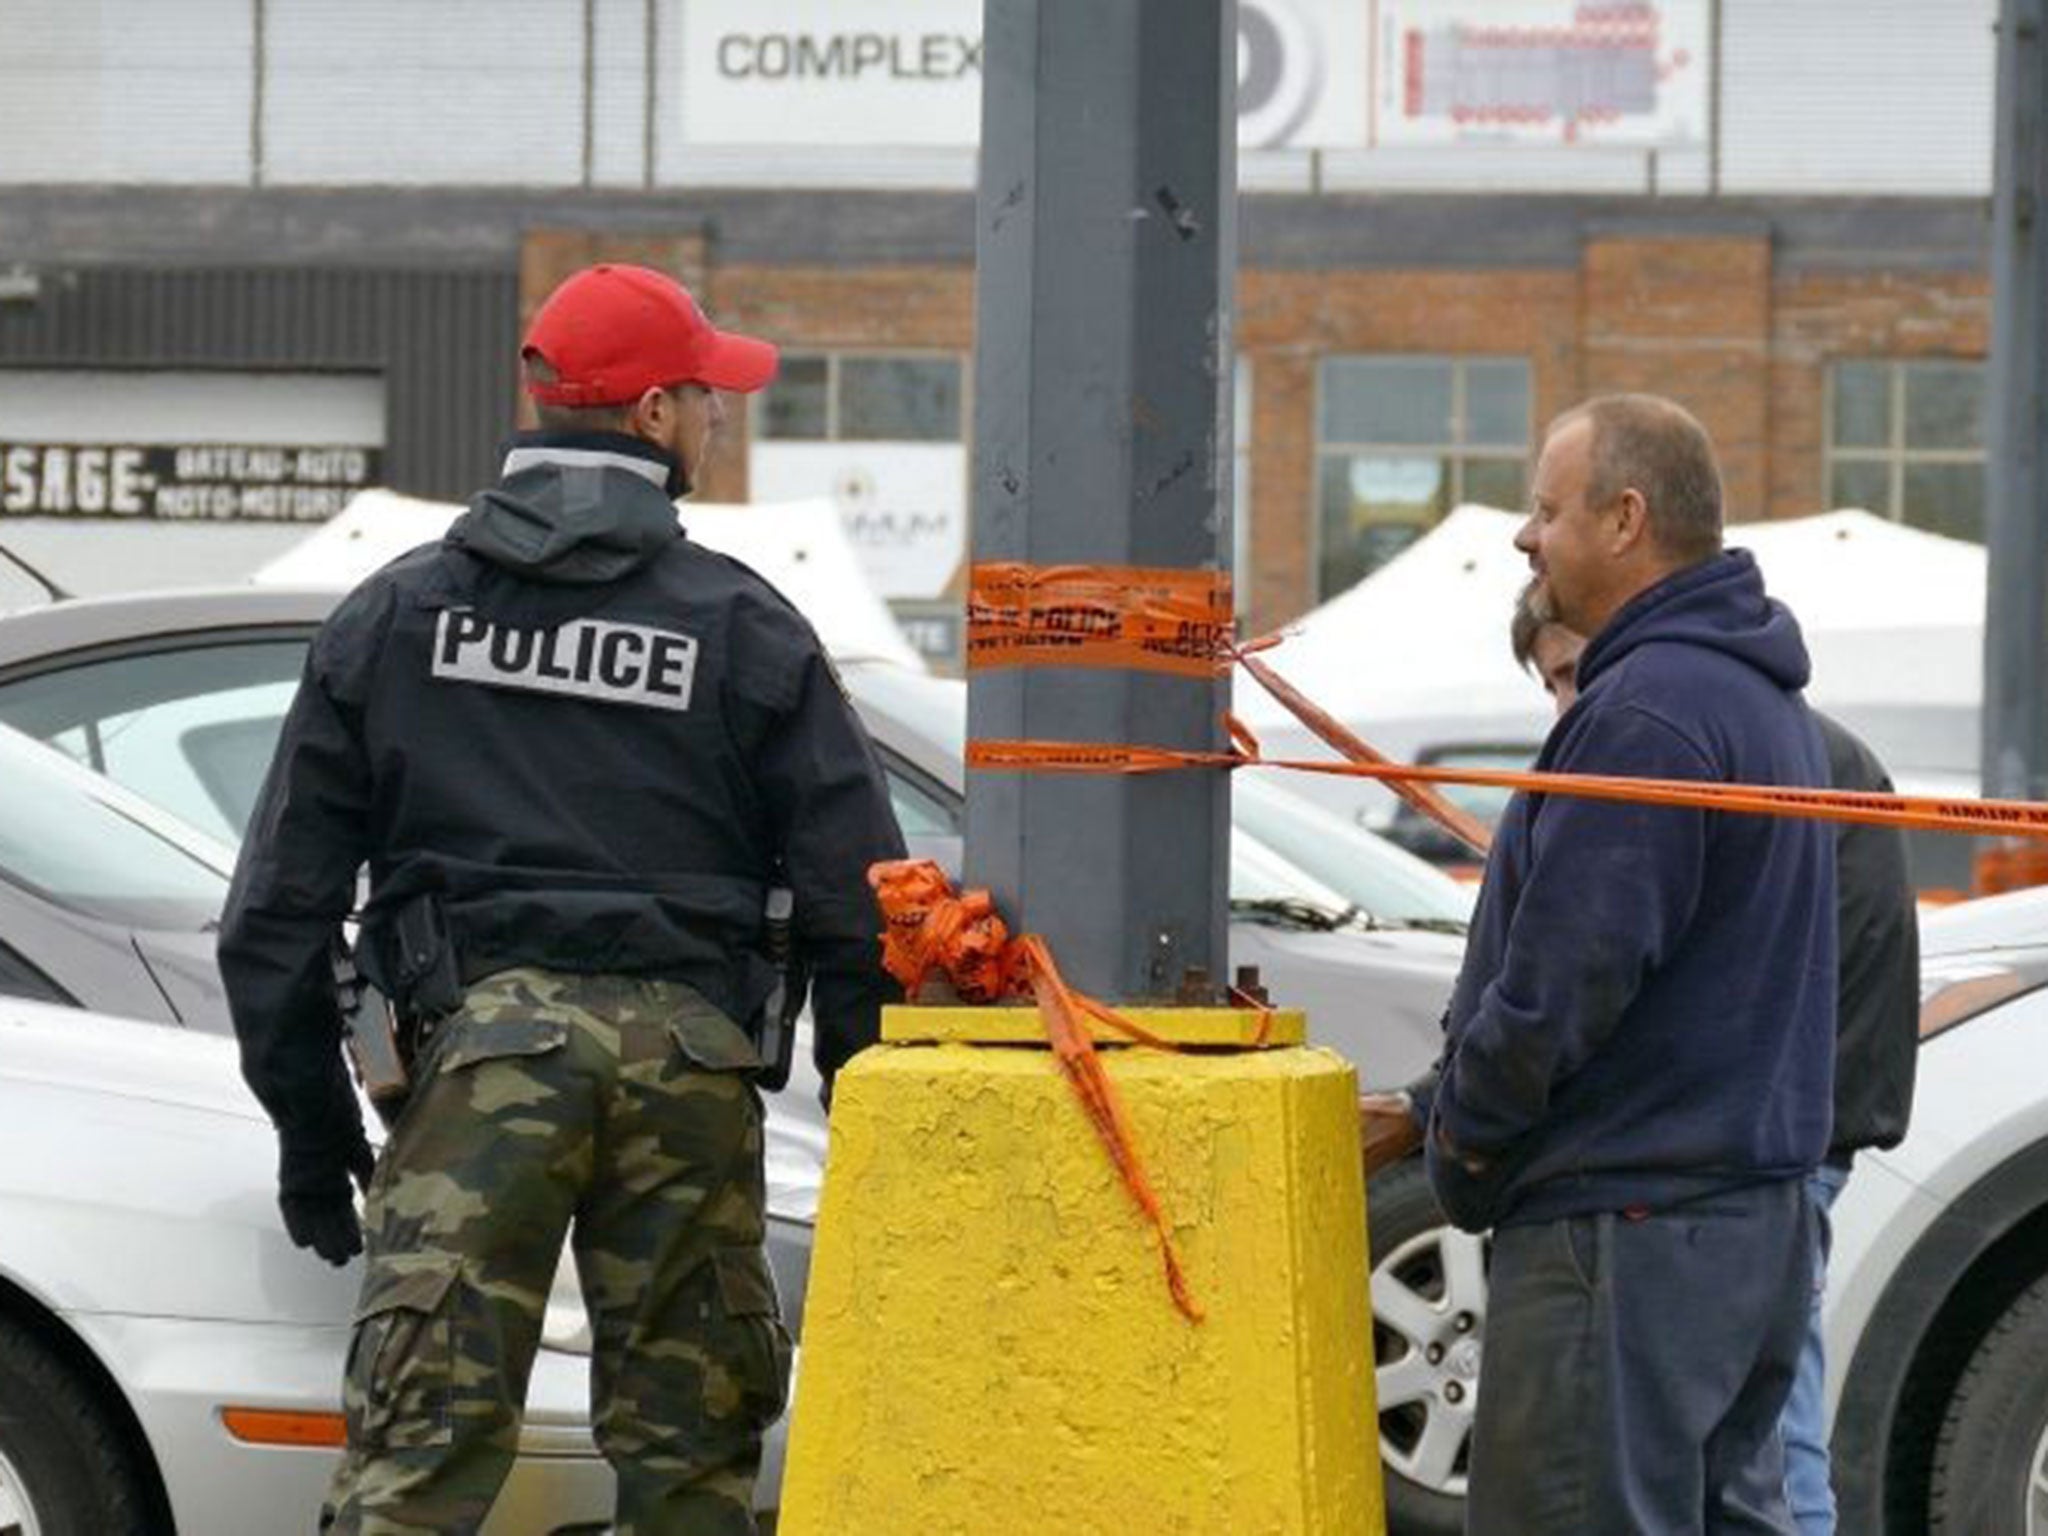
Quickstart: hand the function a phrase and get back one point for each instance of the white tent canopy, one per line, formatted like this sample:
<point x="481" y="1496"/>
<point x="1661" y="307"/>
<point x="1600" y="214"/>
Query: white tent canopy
<point x="1417" y="652"/>
<point x="799" y="546"/>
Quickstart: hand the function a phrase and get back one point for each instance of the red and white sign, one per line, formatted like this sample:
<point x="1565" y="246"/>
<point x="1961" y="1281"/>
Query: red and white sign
<point x="1627" y="72"/>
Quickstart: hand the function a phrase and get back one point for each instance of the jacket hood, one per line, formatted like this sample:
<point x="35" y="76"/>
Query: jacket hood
<point x="1719" y="604"/>
<point x="579" y="508"/>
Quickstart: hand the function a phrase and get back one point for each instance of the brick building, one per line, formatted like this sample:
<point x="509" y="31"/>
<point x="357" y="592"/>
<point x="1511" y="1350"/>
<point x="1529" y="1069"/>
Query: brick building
<point x="1803" y="265"/>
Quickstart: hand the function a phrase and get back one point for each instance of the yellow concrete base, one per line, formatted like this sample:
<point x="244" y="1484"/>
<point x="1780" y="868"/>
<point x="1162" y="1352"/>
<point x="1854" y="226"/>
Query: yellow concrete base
<point x="989" y="1346"/>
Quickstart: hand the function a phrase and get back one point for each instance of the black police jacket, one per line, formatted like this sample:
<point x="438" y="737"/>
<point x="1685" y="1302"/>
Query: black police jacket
<point x="596" y="742"/>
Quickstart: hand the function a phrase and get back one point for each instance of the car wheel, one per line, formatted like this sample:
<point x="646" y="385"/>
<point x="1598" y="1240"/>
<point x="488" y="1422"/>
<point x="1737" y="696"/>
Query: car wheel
<point x="1428" y="1323"/>
<point x="65" y="1469"/>
<point x="1991" y="1462"/>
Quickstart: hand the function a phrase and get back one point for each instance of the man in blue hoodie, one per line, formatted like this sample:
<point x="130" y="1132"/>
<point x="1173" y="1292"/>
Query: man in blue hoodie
<point x="1638" y="1067"/>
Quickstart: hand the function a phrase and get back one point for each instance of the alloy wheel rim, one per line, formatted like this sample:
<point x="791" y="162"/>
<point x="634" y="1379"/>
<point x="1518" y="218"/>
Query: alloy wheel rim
<point x="17" y="1510"/>
<point x="2037" y="1487"/>
<point x="1429" y="1325"/>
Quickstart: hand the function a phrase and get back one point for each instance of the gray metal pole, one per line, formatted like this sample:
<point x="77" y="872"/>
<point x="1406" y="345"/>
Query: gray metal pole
<point x="1106" y="253"/>
<point x="2015" y="618"/>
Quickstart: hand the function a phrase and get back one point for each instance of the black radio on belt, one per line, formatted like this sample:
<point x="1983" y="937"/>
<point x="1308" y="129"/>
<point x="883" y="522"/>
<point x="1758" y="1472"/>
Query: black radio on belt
<point x="424" y="962"/>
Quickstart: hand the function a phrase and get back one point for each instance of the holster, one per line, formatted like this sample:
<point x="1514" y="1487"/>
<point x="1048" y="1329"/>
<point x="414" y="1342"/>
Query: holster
<point x="424" y="964"/>
<point x="373" y="1038"/>
<point x="775" y="1027"/>
<point x="384" y="1034"/>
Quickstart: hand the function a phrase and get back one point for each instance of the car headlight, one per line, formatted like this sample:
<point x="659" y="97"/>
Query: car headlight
<point x="1957" y="988"/>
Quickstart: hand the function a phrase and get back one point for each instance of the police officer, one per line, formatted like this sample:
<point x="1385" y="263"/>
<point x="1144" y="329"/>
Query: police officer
<point x="577" y="751"/>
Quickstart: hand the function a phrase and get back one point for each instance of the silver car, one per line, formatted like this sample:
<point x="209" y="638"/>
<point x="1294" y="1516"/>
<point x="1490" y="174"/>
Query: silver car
<point x="179" y="696"/>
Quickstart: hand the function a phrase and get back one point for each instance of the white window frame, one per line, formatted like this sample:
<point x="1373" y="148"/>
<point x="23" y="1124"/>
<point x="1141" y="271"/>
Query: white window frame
<point x="836" y="356"/>
<point x="1894" y="455"/>
<point x="1456" y="453"/>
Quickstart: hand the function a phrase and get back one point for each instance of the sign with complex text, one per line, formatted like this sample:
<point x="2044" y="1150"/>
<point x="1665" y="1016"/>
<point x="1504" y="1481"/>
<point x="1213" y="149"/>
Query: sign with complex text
<point x="1311" y="74"/>
<point x="897" y="72"/>
<point x="908" y="72"/>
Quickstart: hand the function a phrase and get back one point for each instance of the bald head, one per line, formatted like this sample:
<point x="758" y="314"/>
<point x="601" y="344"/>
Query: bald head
<point x="1657" y="448"/>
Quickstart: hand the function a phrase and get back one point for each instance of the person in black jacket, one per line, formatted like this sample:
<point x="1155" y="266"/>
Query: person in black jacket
<point x="577" y="752"/>
<point x="1877" y="1042"/>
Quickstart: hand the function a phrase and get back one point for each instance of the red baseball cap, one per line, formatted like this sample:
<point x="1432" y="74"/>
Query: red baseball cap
<point x="611" y="333"/>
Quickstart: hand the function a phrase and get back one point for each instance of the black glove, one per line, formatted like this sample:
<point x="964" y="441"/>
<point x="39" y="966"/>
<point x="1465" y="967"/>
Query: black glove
<point x="313" y="1193"/>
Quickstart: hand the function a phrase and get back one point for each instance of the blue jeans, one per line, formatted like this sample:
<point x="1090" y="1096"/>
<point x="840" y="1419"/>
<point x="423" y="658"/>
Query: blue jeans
<point x="1636" y="1370"/>
<point x="1803" y="1427"/>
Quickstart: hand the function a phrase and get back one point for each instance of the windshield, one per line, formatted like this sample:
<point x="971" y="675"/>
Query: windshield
<point x="1486" y="801"/>
<point x="74" y="842"/>
<point x="1296" y="850"/>
<point x="1388" y="883"/>
<point x="190" y="729"/>
<point x="1259" y="874"/>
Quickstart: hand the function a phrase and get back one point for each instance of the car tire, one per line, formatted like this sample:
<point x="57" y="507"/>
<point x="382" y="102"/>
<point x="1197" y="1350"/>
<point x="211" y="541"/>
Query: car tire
<point x="1991" y="1460"/>
<point x="1428" y="1326"/>
<point x="65" y="1466"/>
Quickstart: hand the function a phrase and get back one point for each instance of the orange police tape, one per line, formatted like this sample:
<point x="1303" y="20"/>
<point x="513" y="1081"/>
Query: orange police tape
<point x="1179" y="621"/>
<point x="1467" y="828"/>
<point x="2009" y="818"/>
<point x="1136" y="617"/>
<point x="1145" y="618"/>
<point x="928" y="928"/>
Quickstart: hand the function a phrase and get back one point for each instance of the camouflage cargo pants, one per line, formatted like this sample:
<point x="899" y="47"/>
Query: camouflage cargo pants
<point x="618" y="1104"/>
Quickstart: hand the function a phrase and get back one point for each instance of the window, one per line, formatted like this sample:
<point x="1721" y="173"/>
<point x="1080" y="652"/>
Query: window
<point x="66" y="838"/>
<point x="1402" y="440"/>
<point x="20" y="979"/>
<point x="922" y="808"/>
<point x="192" y="730"/>
<point x="1906" y="441"/>
<point x="864" y="397"/>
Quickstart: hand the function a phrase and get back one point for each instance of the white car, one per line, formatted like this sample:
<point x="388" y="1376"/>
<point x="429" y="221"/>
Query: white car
<point x="1937" y="1306"/>
<point x="168" y="1360"/>
<point x="107" y="903"/>
<point x="179" y="696"/>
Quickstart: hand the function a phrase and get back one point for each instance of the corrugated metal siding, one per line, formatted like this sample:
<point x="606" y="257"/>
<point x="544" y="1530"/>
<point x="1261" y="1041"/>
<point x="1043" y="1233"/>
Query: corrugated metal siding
<point x="126" y="92"/>
<point x="396" y="93"/>
<point x="1857" y="96"/>
<point x="1817" y="97"/>
<point x="444" y="341"/>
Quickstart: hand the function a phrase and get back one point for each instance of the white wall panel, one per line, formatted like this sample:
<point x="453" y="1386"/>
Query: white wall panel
<point x="619" y="117"/>
<point x="1857" y="96"/>
<point x="1475" y="168"/>
<point x="1817" y="97"/>
<point x="125" y="90"/>
<point x="421" y="92"/>
<point x="70" y="405"/>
